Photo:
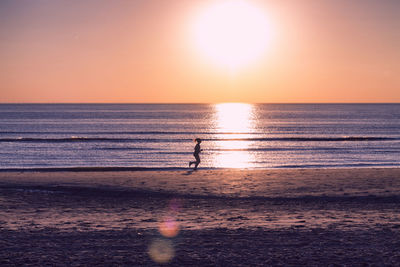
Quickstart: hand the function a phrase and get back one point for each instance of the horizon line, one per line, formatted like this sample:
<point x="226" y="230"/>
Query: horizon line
<point x="185" y="103"/>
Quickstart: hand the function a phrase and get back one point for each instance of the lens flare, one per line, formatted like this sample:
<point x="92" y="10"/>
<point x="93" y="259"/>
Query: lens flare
<point x="161" y="250"/>
<point x="169" y="227"/>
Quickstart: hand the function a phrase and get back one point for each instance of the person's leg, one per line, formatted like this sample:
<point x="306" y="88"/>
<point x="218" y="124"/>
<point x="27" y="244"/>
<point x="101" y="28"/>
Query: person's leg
<point x="193" y="162"/>
<point x="197" y="161"/>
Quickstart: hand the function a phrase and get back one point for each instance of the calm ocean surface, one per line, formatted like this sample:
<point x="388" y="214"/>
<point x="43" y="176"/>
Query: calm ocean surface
<point x="235" y="135"/>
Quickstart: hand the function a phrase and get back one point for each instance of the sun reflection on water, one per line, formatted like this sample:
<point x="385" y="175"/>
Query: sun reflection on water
<point x="234" y="117"/>
<point x="236" y="120"/>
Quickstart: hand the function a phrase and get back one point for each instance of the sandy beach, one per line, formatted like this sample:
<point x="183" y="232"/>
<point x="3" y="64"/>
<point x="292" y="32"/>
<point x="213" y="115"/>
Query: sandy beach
<point x="224" y="217"/>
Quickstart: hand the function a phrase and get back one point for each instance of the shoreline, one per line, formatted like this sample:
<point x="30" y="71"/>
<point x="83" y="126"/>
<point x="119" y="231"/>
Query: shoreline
<point x="91" y="169"/>
<point x="135" y="169"/>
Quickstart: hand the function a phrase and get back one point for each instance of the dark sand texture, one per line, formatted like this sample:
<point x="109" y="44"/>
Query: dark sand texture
<point x="216" y="247"/>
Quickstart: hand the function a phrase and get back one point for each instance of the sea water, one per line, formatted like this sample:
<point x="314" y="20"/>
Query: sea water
<point x="234" y="135"/>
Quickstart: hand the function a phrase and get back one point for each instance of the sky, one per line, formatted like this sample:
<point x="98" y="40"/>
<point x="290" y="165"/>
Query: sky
<point x="146" y="51"/>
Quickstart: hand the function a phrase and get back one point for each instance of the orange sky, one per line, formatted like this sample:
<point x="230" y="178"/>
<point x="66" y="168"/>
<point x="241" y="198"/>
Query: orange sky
<point x="142" y="51"/>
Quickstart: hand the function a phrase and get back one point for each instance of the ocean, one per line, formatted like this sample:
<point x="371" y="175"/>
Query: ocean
<point x="235" y="135"/>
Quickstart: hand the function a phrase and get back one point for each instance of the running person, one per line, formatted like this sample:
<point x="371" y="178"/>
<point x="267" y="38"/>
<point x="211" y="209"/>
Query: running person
<point x="196" y="153"/>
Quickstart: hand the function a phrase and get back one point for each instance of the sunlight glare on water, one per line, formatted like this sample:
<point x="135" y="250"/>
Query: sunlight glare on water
<point x="236" y="119"/>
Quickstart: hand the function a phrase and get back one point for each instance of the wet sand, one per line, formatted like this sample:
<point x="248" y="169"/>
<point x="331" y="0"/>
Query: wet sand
<point x="220" y="182"/>
<point x="313" y="217"/>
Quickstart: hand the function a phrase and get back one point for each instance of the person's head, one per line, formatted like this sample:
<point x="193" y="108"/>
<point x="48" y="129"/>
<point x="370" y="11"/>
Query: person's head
<point x="198" y="140"/>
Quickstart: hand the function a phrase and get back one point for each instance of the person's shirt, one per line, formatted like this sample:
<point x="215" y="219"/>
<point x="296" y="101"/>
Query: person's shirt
<point x="197" y="149"/>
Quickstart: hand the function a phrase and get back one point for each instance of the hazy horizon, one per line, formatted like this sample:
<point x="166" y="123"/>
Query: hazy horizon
<point x="202" y="103"/>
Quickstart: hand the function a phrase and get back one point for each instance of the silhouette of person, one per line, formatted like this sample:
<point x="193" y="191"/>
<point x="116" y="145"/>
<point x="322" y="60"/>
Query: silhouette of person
<point x="196" y="153"/>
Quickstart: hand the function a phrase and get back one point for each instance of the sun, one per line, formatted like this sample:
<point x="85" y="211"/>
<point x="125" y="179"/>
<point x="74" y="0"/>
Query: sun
<point x="232" y="34"/>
